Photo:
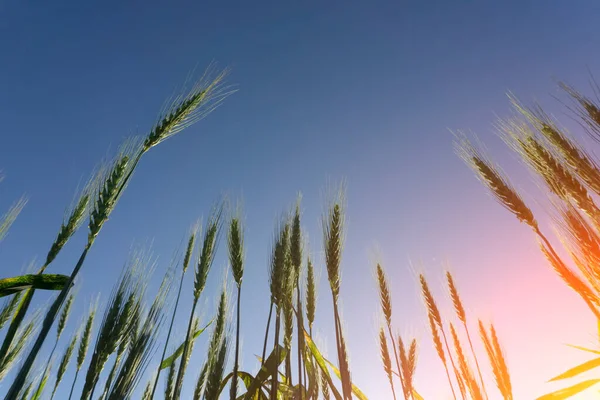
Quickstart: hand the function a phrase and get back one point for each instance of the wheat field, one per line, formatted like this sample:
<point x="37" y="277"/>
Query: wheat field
<point x="117" y="346"/>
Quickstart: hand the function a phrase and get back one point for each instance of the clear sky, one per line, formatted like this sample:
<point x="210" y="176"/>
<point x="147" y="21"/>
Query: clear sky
<point x="364" y="91"/>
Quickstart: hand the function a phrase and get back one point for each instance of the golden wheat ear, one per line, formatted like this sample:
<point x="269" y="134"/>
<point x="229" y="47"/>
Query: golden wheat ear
<point x="386" y="359"/>
<point x="578" y="160"/>
<point x="491" y="177"/>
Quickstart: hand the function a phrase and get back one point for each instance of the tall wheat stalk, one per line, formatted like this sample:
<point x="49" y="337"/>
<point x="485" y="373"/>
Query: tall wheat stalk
<point x="217" y="352"/>
<point x="288" y="311"/>
<point x="278" y="290"/>
<point x="186" y="262"/>
<point x="435" y="323"/>
<point x="462" y="316"/>
<point x="296" y="258"/>
<point x="333" y="239"/>
<point x="499" y="367"/>
<point x="386" y="360"/>
<point x="206" y="258"/>
<point x="408" y="362"/>
<point x="464" y="368"/>
<point x="64" y="363"/>
<point x="235" y="241"/>
<point x="385" y="299"/>
<point x="84" y="344"/>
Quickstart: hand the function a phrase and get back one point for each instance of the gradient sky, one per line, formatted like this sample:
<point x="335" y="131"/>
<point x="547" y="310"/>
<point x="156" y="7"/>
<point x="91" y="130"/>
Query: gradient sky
<point x="364" y="91"/>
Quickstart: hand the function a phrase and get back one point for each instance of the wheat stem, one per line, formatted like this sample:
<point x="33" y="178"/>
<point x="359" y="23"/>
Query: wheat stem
<point x="264" y="352"/>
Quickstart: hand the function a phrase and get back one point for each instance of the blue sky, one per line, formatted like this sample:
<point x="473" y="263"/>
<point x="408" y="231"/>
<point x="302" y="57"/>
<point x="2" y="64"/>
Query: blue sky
<point x="364" y="91"/>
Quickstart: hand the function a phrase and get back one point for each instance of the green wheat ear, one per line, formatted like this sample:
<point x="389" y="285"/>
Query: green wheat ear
<point x="206" y="95"/>
<point x="85" y="338"/>
<point x="235" y="243"/>
<point x="333" y="234"/>
<point x="311" y="294"/>
<point x="76" y="217"/>
<point x="209" y="248"/>
<point x="296" y="241"/>
<point x="107" y="194"/>
<point x="9" y="218"/>
<point x="64" y="363"/>
<point x="62" y="321"/>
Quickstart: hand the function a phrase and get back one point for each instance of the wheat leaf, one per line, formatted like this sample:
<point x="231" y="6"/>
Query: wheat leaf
<point x="177" y="353"/>
<point x="15" y="284"/>
<point x="581" y="368"/>
<point x="265" y="372"/>
<point x="570" y="391"/>
<point x="417" y="396"/>
<point x="584" y="349"/>
<point x="322" y="363"/>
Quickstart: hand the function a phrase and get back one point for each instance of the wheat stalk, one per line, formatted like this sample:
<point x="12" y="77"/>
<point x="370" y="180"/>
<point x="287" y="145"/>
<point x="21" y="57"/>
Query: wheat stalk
<point x="205" y="261"/>
<point x="147" y="395"/>
<point x="186" y="262"/>
<point x="439" y="348"/>
<point x="385" y="359"/>
<point x="170" y="386"/>
<point x="325" y="387"/>
<point x="64" y="363"/>
<point x="499" y="368"/>
<point x="333" y="241"/>
<point x="464" y="368"/>
<point x="501" y="364"/>
<point x="200" y="382"/>
<point x="62" y="321"/>
<point x="276" y="272"/>
<point x="435" y="323"/>
<point x="117" y="322"/>
<point x="84" y="344"/>
<point x="311" y="295"/>
<point x="278" y="290"/>
<point x="142" y="344"/>
<point x="217" y="352"/>
<point x="462" y="316"/>
<point x="409" y="367"/>
<point x="572" y="280"/>
<point x="288" y="311"/>
<point x="386" y="306"/>
<point x="296" y="259"/>
<point x="235" y="243"/>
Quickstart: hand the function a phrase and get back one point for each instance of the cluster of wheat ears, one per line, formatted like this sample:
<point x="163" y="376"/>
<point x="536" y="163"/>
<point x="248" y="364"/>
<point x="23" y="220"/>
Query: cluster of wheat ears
<point x="131" y="330"/>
